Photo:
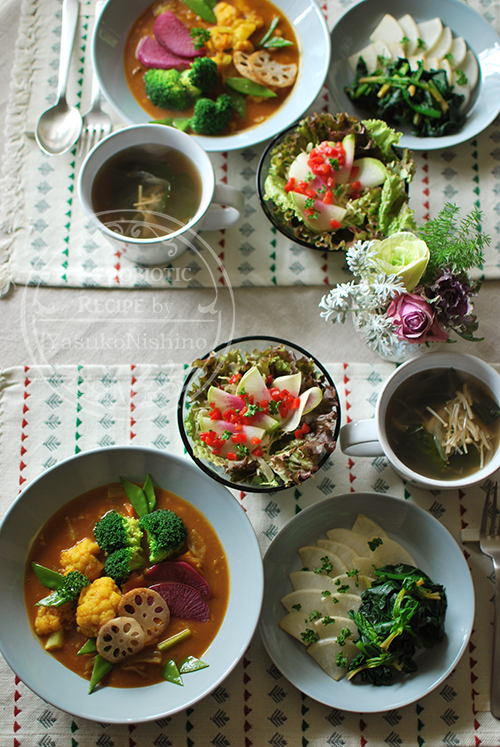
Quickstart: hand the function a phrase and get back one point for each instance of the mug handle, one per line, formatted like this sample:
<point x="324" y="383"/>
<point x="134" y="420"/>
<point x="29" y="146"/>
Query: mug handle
<point x="360" y="439"/>
<point x="217" y="218"/>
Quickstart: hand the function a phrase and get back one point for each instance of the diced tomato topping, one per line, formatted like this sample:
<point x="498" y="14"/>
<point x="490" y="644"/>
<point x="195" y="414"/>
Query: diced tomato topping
<point x="254" y="440"/>
<point x="216" y="414"/>
<point x="264" y="405"/>
<point x="309" y="212"/>
<point x="290" y="184"/>
<point x="305" y="428"/>
<point x="239" y="438"/>
<point x="330" y="182"/>
<point x="356" y="185"/>
<point x="249" y="398"/>
<point x="298" y="433"/>
<point x="355" y="195"/>
<point x="238" y="427"/>
<point x="232" y="456"/>
<point x="216" y="451"/>
<point x="310" y="193"/>
<point x="283" y="410"/>
<point x="235" y="378"/>
<point x="269" y="379"/>
<point x="275" y="392"/>
<point x="335" y="224"/>
<point x="203" y="436"/>
<point x="257" y="452"/>
<point x="354" y="171"/>
<point x="228" y="414"/>
<point x="296" y="403"/>
<point x="328" y="197"/>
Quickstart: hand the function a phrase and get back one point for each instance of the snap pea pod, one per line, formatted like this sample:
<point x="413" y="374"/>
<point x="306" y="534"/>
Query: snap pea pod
<point x="136" y="496"/>
<point x="149" y="492"/>
<point x="239" y="101"/>
<point x="249" y="87"/>
<point x="269" y="41"/>
<point x="100" y="669"/>
<point x="89" y="647"/>
<point x="49" y="578"/>
<point x="191" y="664"/>
<point x="202" y="8"/>
<point x="172" y="674"/>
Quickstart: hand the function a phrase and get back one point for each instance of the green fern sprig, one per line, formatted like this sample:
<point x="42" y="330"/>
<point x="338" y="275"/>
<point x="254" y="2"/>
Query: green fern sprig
<point x="456" y="246"/>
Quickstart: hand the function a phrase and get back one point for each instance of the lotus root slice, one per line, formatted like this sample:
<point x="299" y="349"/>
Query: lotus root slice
<point x="148" y="608"/>
<point x="120" y="638"/>
<point x="242" y="65"/>
<point x="271" y="72"/>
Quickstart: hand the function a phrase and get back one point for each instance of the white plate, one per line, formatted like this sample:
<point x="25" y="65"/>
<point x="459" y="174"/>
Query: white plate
<point x="435" y="552"/>
<point x="351" y="33"/>
<point x="44" y="674"/>
<point x="312" y="34"/>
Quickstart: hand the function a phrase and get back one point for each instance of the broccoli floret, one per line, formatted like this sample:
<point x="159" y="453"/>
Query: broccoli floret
<point x="166" y="533"/>
<point x="120" y="564"/>
<point x="212" y="117"/>
<point x="202" y="76"/>
<point x="70" y="587"/>
<point x="115" y="531"/>
<point x="165" y="89"/>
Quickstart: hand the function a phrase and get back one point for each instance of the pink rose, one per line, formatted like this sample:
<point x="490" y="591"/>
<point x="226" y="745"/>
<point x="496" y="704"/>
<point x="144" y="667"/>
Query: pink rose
<point x="415" y="319"/>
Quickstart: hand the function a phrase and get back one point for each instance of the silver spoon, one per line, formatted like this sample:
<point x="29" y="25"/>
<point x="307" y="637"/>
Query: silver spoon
<point x="59" y="127"/>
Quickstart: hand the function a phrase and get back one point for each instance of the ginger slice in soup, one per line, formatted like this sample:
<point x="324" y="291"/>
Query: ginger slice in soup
<point x="120" y="638"/>
<point x="271" y="72"/>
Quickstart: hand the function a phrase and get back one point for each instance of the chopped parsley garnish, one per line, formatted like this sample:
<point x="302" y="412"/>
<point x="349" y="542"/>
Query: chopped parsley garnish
<point x="297" y="607"/>
<point x="342" y="589"/>
<point x="461" y="77"/>
<point x="274" y="407"/>
<point x="334" y="163"/>
<point x="226" y="435"/>
<point x="327" y="566"/>
<point x="327" y="620"/>
<point x="375" y="542"/>
<point x="341" y="638"/>
<point x="309" y="636"/>
<point x="352" y="572"/>
<point x="421" y="44"/>
<point x="242" y="450"/>
<point x="315" y="615"/>
<point x="309" y="176"/>
<point x="252" y="410"/>
<point x="326" y="593"/>
<point x="341" y="660"/>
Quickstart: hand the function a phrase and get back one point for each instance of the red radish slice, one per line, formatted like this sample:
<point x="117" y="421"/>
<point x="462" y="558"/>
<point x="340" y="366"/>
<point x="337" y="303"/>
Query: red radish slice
<point x="171" y="33"/>
<point x="151" y="54"/>
<point x="183" y="601"/>
<point x="179" y="572"/>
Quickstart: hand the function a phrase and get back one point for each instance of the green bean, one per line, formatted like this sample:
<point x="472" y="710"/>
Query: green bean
<point x="191" y="664"/>
<point x="49" y="578"/>
<point x="149" y="492"/>
<point x="248" y="87"/>
<point x="136" y="496"/>
<point x="171" y="673"/>
<point x="100" y="669"/>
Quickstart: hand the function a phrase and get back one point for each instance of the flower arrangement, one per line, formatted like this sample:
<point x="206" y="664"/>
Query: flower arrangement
<point x="413" y="289"/>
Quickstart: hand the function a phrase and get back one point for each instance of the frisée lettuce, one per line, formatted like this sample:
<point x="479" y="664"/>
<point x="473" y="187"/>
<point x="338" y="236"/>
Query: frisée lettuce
<point x="363" y="196"/>
<point x="267" y="418"/>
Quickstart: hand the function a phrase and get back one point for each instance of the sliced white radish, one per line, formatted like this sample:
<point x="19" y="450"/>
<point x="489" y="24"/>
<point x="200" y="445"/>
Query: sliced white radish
<point x="410" y="29"/>
<point x="355" y="540"/>
<point x="299" y="170"/>
<point x="397" y="50"/>
<point x="429" y="32"/>
<point x="383" y="51"/>
<point x="323" y="214"/>
<point x="309" y="600"/>
<point x="388" y="30"/>
<point x="339" y="548"/>
<point x="390" y="552"/>
<point x="252" y="383"/>
<point x="308" y="401"/>
<point x="311" y="580"/>
<point x="364" y="566"/>
<point x="443" y="46"/>
<point x="368" y="527"/>
<point x="470" y="69"/>
<point x="220" y="427"/>
<point x="458" y="51"/>
<point x="415" y="59"/>
<point x="295" y="623"/>
<point x="431" y="63"/>
<point x="290" y="382"/>
<point x="266" y="469"/>
<point x="369" y="55"/>
<point x="312" y="557"/>
<point x="326" y="653"/>
<point x="224" y="400"/>
<point x="461" y="89"/>
<point x="331" y="627"/>
<point x="371" y="172"/>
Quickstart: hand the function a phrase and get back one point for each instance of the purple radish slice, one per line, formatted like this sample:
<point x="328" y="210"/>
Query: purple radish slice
<point x="183" y="601"/>
<point x="179" y="572"/>
<point x="171" y="33"/>
<point x="151" y="54"/>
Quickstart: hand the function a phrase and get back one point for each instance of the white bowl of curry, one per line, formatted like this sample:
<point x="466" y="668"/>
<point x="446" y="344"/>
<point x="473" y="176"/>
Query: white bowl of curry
<point x="301" y="23"/>
<point x="51" y="525"/>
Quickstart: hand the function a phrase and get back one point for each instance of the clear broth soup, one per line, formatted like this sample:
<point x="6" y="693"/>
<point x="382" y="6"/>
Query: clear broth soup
<point x="146" y="191"/>
<point x="443" y="424"/>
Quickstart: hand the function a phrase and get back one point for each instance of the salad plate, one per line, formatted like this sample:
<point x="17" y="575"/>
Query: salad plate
<point x="281" y="456"/>
<point x="352" y="31"/>
<point x="434" y="551"/>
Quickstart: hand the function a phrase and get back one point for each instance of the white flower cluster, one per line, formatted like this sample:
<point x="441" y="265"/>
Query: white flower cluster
<point x="366" y="299"/>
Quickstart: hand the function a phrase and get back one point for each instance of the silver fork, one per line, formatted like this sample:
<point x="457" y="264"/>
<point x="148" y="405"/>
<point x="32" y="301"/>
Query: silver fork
<point x="96" y="123"/>
<point x="489" y="541"/>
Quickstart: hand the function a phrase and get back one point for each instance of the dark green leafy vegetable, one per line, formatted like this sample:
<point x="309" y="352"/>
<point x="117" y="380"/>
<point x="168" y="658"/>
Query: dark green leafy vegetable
<point x="403" y="611"/>
<point x="422" y="98"/>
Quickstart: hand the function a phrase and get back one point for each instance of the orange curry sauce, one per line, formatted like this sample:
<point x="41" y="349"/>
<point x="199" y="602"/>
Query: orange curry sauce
<point x="257" y="109"/>
<point x="75" y="521"/>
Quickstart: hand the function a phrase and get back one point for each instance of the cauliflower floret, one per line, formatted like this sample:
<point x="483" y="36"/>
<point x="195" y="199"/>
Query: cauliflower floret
<point x="97" y="605"/>
<point x="83" y="557"/>
<point x="51" y="619"/>
<point x="225" y="14"/>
